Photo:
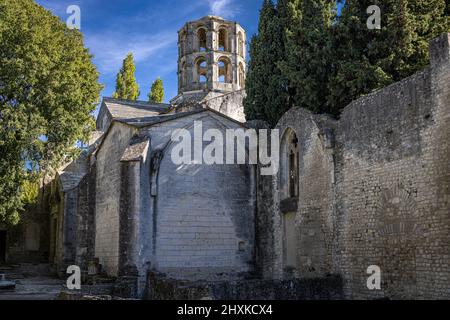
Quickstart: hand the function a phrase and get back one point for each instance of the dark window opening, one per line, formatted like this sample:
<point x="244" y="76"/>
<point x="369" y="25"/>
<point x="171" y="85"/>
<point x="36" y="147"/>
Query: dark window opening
<point x="201" y="35"/>
<point x="223" y="40"/>
<point x="293" y="168"/>
<point x="292" y="175"/>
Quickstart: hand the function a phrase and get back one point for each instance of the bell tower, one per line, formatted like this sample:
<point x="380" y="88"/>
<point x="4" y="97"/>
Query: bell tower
<point x="211" y="57"/>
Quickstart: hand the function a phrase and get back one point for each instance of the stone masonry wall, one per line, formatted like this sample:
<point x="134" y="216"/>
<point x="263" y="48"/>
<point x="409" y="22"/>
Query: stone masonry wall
<point x="162" y="288"/>
<point x="85" y="220"/>
<point x="393" y="176"/>
<point x="108" y="196"/>
<point x="374" y="189"/>
<point x="29" y="241"/>
<point x="203" y="214"/>
<point x="313" y="209"/>
<point x="230" y="104"/>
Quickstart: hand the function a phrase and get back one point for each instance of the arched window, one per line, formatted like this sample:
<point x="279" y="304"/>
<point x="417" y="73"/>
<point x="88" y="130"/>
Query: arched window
<point x="202" y="70"/>
<point x="289" y="165"/>
<point x="223" y="40"/>
<point x="241" y="76"/>
<point x="222" y="72"/>
<point x="225" y="75"/>
<point x="240" y="44"/>
<point x="201" y="38"/>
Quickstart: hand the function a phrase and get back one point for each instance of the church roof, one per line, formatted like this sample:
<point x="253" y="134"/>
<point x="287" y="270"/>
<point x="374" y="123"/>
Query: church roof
<point x="116" y="109"/>
<point x="148" y="121"/>
<point x="123" y="109"/>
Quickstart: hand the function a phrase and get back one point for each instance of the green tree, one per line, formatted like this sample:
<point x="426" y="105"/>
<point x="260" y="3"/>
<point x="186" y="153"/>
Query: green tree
<point x="266" y="87"/>
<point x="308" y="62"/>
<point x="367" y="60"/>
<point x="48" y="91"/>
<point x="156" y="94"/>
<point x="126" y="85"/>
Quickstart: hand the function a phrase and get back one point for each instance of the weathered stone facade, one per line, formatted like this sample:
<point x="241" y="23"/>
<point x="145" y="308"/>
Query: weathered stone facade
<point x="212" y="66"/>
<point x="373" y="189"/>
<point x="212" y="56"/>
<point x="370" y="188"/>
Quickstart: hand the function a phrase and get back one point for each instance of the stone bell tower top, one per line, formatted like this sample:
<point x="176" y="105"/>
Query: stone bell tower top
<point x="211" y="56"/>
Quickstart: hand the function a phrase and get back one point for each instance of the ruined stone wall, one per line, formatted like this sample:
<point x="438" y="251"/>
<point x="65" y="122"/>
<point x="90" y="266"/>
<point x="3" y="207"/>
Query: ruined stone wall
<point x="264" y="227"/>
<point x="85" y="220"/>
<point x="29" y="241"/>
<point x="163" y="288"/>
<point x="393" y="176"/>
<point x="107" y="205"/>
<point x="312" y="209"/>
<point x="68" y="229"/>
<point x="374" y="189"/>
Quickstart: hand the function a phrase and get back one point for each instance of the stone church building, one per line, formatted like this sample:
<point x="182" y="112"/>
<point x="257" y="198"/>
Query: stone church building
<point x="371" y="188"/>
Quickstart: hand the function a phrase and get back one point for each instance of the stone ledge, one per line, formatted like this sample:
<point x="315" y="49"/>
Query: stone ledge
<point x="163" y="288"/>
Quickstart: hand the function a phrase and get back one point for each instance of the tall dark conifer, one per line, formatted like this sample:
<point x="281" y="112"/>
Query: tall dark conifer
<point x="366" y="60"/>
<point x="308" y="52"/>
<point x="265" y="85"/>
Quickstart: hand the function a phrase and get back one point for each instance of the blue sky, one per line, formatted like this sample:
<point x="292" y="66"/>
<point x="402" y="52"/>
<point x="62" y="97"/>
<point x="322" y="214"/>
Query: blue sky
<point x="148" y="29"/>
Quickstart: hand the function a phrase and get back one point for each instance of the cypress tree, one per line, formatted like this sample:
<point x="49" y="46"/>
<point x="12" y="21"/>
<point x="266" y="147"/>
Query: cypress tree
<point x="308" y="52"/>
<point x="265" y="84"/>
<point x="354" y="50"/>
<point x="366" y="60"/>
<point x="156" y="94"/>
<point x="126" y="85"/>
<point x="423" y="20"/>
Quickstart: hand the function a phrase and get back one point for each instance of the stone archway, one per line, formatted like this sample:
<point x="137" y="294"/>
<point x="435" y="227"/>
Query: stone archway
<point x="304" y="198"/>
<point x="289" y="175"/>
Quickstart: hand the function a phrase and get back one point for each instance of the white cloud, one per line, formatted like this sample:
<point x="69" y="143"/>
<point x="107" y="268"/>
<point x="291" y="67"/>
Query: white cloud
<point x="224" y="8"/>
<point x="109" y="49"/>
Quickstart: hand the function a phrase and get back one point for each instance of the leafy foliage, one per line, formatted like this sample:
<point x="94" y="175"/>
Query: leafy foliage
<point x="156" y="94"/>
<point x="126" y="85"/>
<point x="329" y="61"/>
<point x="48" y="91"/>
<point x="308" y="52"/>
<point x="367" y="60"/>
